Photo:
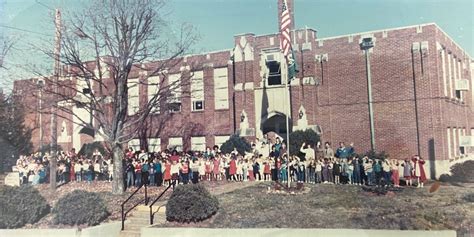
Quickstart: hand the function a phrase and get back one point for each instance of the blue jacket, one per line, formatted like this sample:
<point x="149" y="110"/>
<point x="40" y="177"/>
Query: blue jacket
<point x="342" y="152"/>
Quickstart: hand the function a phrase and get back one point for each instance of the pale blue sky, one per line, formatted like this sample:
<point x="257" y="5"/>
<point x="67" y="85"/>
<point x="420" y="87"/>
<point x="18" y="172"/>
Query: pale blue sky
<point x="217" y="21"/>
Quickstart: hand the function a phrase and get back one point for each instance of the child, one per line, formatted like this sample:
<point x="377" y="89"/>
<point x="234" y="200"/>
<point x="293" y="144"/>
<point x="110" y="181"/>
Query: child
<point x="368" y="167"/>
<point x="395" y="175"/>
<point x="266" y="171"/>
<point x="78" y="170"/>
<point x="336" y="172"/>
<point x="378" y="172"/>
<point x="184" y="172"/>
<point x="330" y="170"/>
<point x="318" y="169"/>
<point x="356" y="173"/>
<point x="233" y="169"/>
<point x="419" y="171"/>
<point x="240" y="170"/>
<point x="284" y="170"/>
<point x="174" y="170"/>
<point x="256" y="170"/>
<point x="250" y="173"/>
<point x="167" y="172"/>
<point x="202" y="169"/>
<point x="216" y="169"/>
<point x="407" y="168"/>
<point x="208" y="165"/>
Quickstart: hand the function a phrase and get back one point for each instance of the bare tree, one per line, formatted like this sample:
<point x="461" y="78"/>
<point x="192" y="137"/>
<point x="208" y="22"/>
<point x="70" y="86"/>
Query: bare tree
<point x="110" y="49"/>
<point x="5" y="47"/>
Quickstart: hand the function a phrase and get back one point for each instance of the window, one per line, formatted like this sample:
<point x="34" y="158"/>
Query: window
<point x="175" y="143"/>
<point x="462" y="149"/>
<point x="133" y="96"/>
<point x="198" y="143"/>
<point x="443" y="67"/>
<point x="152" y="90"/>
<point x="450" y="77"/>
<point x="454" y="78"/>
<point x="154" y="144"/>
<point x="198" y="105"/>
<point x="458" y="94"/>
<point x="197" y="91"/>
<point x="455" y="146"/>
<point x="174" y="100"/>
<point x="134" y="144"/>
<point x="219" y="140"/>
<point x="221" y="90"/>
<point x="460" y="97"/>
<point x="449" y="143"/>
<point x="274" y="71"/>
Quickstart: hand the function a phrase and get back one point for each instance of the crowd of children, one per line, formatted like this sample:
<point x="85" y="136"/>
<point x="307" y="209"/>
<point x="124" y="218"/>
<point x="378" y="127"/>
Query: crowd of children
<point x="267" y="161"/>
<point x="35" y="169"/>
<point x="315" y="166"/>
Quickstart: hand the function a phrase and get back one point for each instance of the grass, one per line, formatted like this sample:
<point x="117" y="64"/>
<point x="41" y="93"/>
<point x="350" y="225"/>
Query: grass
<point x="338" y="206"/>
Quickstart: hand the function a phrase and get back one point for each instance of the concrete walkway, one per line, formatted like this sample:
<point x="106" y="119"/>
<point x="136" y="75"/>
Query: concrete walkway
<point x="204" y="232"/>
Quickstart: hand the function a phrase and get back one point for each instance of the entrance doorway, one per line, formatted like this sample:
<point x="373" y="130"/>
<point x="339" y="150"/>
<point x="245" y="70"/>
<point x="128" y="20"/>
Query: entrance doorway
<point x="275" y="123"/>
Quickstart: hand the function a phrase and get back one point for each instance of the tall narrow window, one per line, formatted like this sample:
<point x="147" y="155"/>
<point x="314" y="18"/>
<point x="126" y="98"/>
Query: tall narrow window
<point x="152" y="91"/>
<point x="274" y="73"/>
<point x="455" y="77"/>
<point x="443" y="67"/>
<point x="459" y="78"/>
<point x="272" y="61"/>
<point x="221" y="89"/>
<point x="455" y="144"/>
<point x="450" y="154"/>
<point x="174" y="99"/>
<point x="450" y="77"/>
<point x="462" y="149"/>
<point x="133" y="96"/>
<point x="197" y="91"/>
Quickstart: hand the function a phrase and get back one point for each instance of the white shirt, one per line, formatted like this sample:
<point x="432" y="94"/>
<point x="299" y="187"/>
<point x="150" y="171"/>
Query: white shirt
<point x="309" y="153"/>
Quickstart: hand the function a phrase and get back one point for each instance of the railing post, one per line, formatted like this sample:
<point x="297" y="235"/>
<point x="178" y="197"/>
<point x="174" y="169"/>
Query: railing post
<point x="146" y="196"/>
<point x="151" y="215"/>
<point x="123" y="221"/>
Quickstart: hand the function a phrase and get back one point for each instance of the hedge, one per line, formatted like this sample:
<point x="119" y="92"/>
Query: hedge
<point x="20" y="206"/>
<point x="80" y="207"/>
<point x="191" y="203"/>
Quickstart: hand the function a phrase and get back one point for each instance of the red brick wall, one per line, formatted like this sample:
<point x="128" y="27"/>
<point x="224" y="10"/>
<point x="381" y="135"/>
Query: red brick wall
<point x="339" y="103"/>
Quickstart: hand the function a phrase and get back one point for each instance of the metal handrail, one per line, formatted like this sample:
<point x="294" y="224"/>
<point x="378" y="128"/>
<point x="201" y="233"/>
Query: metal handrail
<point x="152" y="214"/>
<point x="124" y="214"/>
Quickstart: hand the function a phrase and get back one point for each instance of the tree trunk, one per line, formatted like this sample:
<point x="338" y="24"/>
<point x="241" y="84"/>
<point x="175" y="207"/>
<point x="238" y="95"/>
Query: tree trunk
<point x="117" y="156"/>
<point x="52" y="172"/>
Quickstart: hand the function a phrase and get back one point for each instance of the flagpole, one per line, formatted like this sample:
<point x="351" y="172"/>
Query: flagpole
<point x="287" y="100"/>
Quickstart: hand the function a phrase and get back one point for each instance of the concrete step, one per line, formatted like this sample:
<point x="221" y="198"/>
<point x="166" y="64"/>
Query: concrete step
<point x="156" y="207"/>
<point x="129" y="233"/>
<point x="135" y="219"/>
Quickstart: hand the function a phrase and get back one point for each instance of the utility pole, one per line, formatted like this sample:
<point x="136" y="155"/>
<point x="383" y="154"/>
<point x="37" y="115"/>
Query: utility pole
<point x="366" y="45"/>
<point x="54" y="124"/>
<point x="40" y="84"/>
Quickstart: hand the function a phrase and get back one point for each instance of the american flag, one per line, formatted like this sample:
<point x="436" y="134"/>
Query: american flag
<point x="285" y="40"/>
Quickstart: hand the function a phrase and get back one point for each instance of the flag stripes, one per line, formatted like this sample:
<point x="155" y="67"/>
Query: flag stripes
<point x="285" y="40"/>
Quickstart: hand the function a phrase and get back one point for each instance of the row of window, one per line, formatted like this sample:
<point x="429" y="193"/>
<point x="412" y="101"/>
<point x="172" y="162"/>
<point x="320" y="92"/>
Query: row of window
<point x="221" y="92"/>
<point x="455" y="141"/>
<point x="454" y="82"/>
<point x="197" y="143"/>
